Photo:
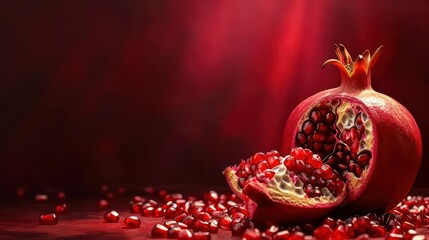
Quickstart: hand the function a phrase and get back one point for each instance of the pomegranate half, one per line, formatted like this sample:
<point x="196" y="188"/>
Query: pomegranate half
<point x="351" y="148"/>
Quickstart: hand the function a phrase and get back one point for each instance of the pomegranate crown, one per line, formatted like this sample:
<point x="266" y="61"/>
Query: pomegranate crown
<point x="363" y="63"/>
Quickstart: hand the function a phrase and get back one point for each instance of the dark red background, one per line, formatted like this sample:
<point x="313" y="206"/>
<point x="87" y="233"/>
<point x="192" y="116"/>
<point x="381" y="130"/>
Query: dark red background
<point x="171" y="92"/>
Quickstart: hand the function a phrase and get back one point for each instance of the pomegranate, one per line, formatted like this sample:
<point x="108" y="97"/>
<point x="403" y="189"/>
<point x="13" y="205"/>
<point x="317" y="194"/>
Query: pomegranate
<point x="351" y="148"/>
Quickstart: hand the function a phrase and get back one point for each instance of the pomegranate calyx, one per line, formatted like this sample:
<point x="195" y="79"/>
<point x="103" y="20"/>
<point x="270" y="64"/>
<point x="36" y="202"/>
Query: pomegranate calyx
<point x="355" y="76"/>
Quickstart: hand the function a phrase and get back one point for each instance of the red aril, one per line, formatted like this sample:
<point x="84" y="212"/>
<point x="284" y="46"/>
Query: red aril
<point x="351" y="149"/>
<point x="159" y="231"/>
<point x="48" y="219"/>
<point x="111" y="217"/>
<point x="61" y="208"/>
<point x="185" y="234"/>
<point x="132" y="222"/>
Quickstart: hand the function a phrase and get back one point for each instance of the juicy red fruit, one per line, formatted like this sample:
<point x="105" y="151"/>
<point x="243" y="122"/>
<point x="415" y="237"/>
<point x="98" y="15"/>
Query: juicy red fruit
<point x="350" y="149"/>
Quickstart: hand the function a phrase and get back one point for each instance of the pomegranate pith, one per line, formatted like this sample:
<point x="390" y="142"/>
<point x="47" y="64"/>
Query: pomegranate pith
<point x="350" y="149"/>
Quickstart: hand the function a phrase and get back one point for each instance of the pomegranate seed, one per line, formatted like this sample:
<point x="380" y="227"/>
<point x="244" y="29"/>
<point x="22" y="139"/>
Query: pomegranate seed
<point x="103" y="204"/>
<point x="204" y="216"/>
<point x="137" y="199"/>
<point x="173" y="231"/>
<point x="159" y="231"/>
<point x="61" y="208"/>
<point x="201" y="226"/>
<point x="148" y="212"/>
<point x="377" y="231"/>
<point x="132" y="222"/>
<point x="298" y="153"/>
<point x="158" y="212"/>
<point x="41" y="198"/>
<point x="326" y="171"/>
<point x="137" y="207"/>
<point x="322" y="232"/>
<point x="349" y="229"/>
<point x="213" y="226"/>
<point x="392" y="236"/>
<point x="48" y="219"/>
<point x="271" y="230"/>
<point x="149" y="190"/>
<point x="225" y="222"/>
<point x="184" y="234"/>
<point x="238" y="229"/>
<point x="189" y="221"/>
<point x="339" y="232"/>
<point x="407" y="226"/>
<point x="299" y="166"/>
<point x="111" y="217"/>
<point x="61" y="196"/>
<point x="170" y="223"/>
<point x="162" y="193"/>
<point x="282" y="235"/>
<point x="296" y="236"/>
<point x="362" y="224"/>
<point x="330" y="222"/>
<point x="202" y="236"/>
<point x="363" y="237"/>
<point x="211" y="196"/>
<point x="252" y="234"/>
<point x="180" y="217"/>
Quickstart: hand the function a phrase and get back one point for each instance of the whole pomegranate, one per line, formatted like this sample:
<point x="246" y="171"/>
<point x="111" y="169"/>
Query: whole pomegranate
<point x="351" y="149"/>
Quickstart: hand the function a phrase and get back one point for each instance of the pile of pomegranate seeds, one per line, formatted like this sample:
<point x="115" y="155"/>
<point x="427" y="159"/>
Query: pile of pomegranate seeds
<point x="193" y="218"/>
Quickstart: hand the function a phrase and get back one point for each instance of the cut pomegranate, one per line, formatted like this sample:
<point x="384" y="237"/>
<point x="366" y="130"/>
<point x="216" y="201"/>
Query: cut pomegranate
<point x="48" y="219"/>
<point x="132" y="222"/>
<point x="111" y="217"/>
<point x="351" y="149"/>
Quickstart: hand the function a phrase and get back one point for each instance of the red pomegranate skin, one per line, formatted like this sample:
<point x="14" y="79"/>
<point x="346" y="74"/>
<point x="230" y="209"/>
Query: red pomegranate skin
<point x="397" y="146"/>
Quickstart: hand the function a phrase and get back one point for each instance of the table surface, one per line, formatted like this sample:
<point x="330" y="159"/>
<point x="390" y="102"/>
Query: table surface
<point x="19" y="220"/>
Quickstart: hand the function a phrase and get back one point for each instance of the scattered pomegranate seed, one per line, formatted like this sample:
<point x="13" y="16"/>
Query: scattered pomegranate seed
<point x="136" y="207"/>
<point x="225" y="222"/>
<point x="201" y="226"/>
<point x="61" y="208"/>
<point x="48" y="219"/>
<point x="61" y="196"/>
<point x="323" y="232"/>
<point x="211" y="196"/>
<point x="202" y="236"/>
<point x="159" y="231"/>
<point x="173" y="231"/>
<point x="252" y="234"/>
<point x="185" y="234"/>
<point x="132" y="222"/>
<point x="103" y="204"/>
<point x="111" y="217"/>
<point x="41" y="198"/>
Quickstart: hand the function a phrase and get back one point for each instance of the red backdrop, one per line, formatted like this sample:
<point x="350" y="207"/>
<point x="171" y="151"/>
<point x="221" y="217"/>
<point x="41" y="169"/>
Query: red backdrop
<point x="167" y="92"/>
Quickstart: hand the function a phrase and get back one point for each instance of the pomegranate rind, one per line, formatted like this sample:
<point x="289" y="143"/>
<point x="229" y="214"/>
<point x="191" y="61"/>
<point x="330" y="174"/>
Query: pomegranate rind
<point x="266" y="208"/>
<point x="232" y="181"/>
